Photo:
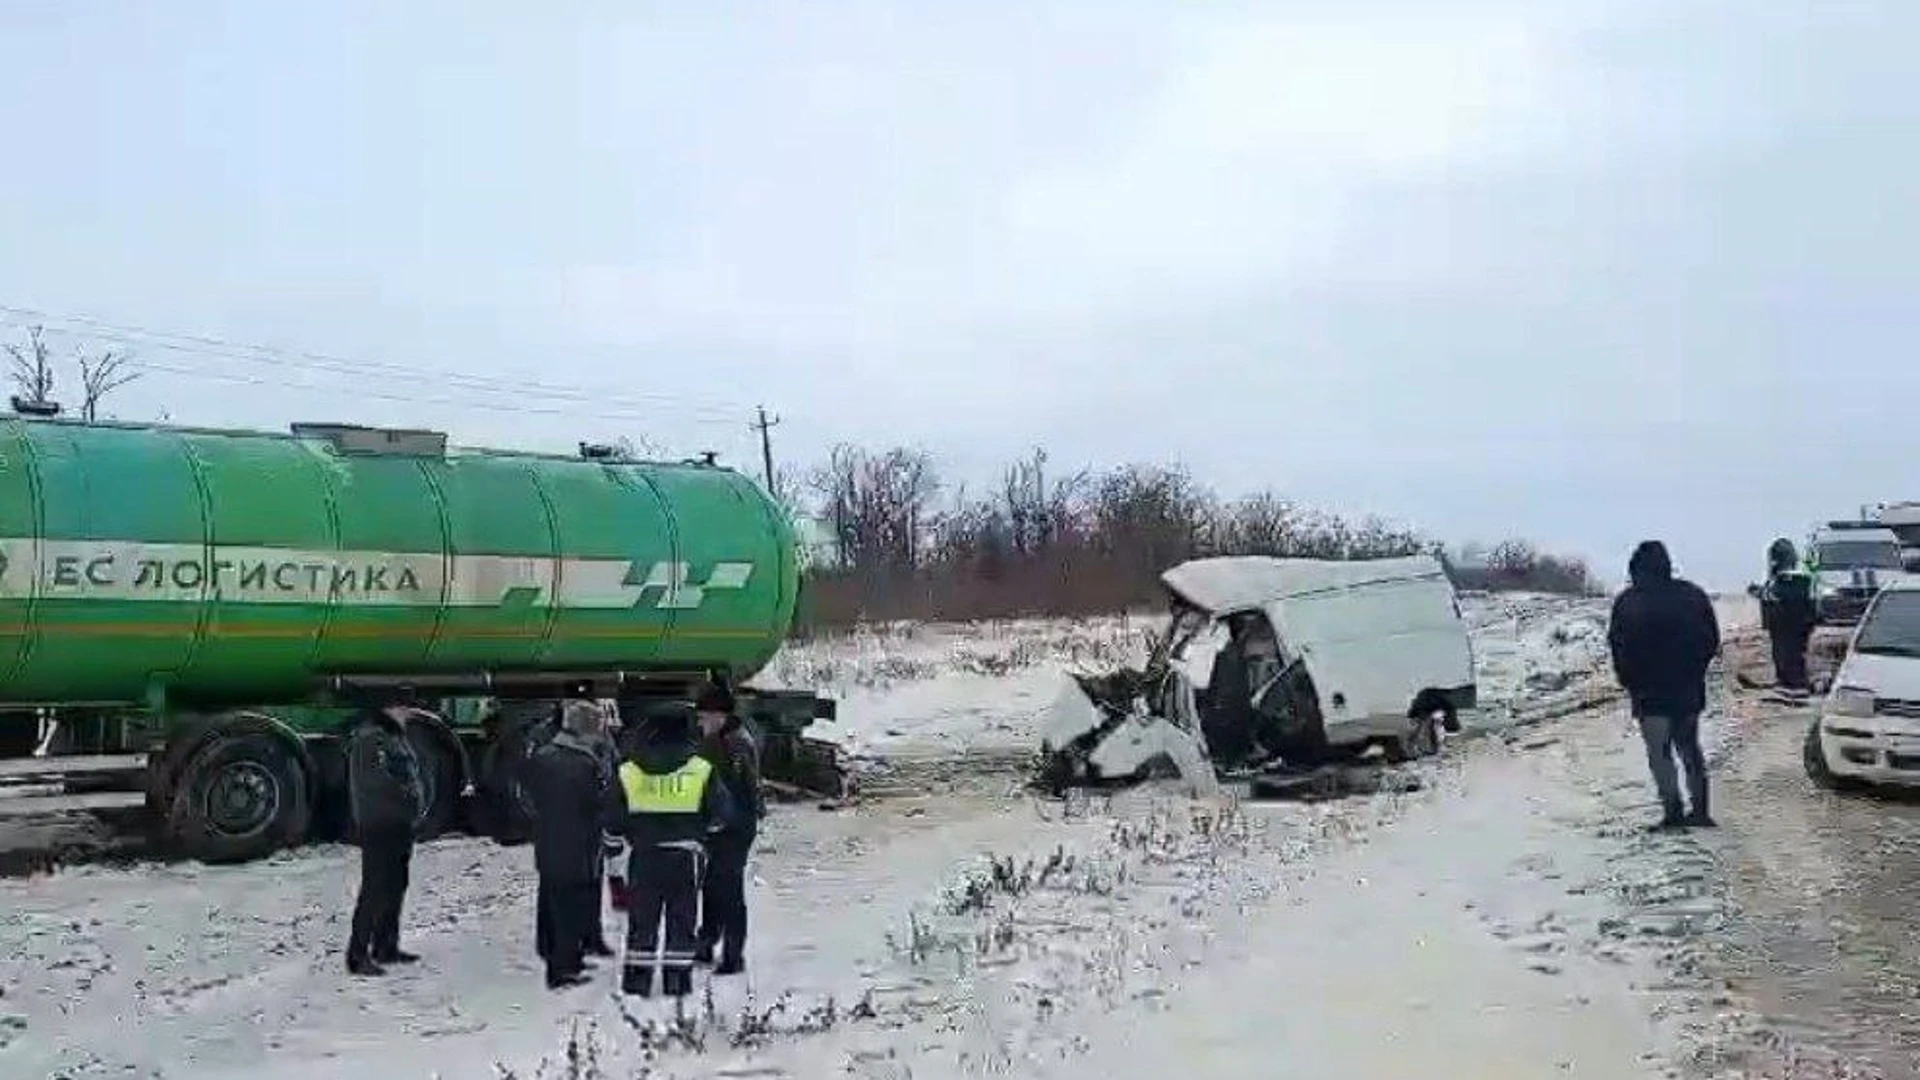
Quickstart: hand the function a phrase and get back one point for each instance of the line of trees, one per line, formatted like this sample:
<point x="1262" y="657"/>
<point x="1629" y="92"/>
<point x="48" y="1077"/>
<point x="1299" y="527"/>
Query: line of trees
<point x="1044" y="542"/>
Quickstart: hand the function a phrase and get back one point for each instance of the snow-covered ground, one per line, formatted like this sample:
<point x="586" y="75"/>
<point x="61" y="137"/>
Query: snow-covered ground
<point x="1510" y="919"/>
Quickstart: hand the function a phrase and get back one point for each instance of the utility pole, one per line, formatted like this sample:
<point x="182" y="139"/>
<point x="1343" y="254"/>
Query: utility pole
<point x="764" y="425"/>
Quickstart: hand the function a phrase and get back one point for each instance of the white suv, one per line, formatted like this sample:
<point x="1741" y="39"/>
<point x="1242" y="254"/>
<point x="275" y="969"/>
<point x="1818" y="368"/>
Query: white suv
<point x="1868" y="730"/>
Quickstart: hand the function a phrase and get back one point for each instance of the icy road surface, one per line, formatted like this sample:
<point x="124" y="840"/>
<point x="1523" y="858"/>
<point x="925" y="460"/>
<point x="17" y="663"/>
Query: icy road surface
<point x="1511" y="919"/>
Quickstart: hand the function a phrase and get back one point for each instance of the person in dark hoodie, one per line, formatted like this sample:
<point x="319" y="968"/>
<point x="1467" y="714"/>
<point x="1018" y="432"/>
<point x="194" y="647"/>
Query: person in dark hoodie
<point x="567" y="780"/>
<point x="1663" y="635"/>
<point x="665" y="804"/>
<point x="383" y="786"/>
<point x="1788" y="614"/>
<point x="730" y="747"/>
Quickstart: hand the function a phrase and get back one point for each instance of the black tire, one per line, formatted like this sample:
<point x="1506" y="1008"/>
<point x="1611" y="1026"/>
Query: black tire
<point x="505" y="811"/>
<point x="1422" y="740"/>
<point x="1815" y="763"/>
<point x="441" y="781"/>
<point x="240" y="798"/>
<point x="1159" y="767"/>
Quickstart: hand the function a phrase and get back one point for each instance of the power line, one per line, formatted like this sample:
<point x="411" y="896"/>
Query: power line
<point x="201" y="344"/>
<point x="207" y="345"/>
<point x="419" y="399"/>
<point x="650" y="415"/>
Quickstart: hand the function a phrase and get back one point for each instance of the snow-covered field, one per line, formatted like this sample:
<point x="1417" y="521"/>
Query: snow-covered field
<point x="1511" y="919"/>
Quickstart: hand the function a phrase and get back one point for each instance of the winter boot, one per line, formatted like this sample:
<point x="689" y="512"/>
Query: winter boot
<point x="396" y="956"/>
<point x="637" y="981"/>
<point x="676" y="982"/>
<point x="1673" y="818"/>
<point x="364" y="966"/>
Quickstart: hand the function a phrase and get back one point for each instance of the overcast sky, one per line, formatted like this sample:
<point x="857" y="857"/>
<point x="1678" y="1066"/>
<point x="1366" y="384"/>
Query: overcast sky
<point x="1581" y="271"/>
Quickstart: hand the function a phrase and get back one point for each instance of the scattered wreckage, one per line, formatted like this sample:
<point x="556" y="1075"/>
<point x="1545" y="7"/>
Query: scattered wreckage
<point x="1284" y="673"/>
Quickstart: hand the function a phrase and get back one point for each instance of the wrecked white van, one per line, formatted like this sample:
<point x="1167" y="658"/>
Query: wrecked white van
<point x="1274" y="663"/>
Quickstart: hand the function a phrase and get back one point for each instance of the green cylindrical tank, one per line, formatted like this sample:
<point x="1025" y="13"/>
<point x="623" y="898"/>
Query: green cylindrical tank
<point x="240" y="567"/>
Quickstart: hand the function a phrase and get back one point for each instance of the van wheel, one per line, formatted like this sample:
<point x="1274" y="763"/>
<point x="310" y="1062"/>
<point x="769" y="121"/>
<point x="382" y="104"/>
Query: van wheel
<point x="1815" y="763"/>
<point x="1159" y="767"/>
<point x="1421" y="740"/>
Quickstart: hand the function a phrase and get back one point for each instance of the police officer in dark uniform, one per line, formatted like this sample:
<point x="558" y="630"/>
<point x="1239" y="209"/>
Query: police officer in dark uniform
<point x="665" y="803"/>
<point x="567" y="781"/>
<point x="383" y="785"/>
<point x="729" y="746"/>
<point x="1788" y="615"/>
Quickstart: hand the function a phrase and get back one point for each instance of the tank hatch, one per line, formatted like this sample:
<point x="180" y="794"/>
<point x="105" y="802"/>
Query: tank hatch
<point x="395" y="442"/>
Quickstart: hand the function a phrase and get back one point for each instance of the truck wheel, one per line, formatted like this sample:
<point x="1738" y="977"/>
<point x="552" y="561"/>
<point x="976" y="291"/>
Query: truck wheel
<point x="1815" y="763"/>
<point x="240" y="798"/>
<point x="440" y="782"/>
<point x="506" y="810"/>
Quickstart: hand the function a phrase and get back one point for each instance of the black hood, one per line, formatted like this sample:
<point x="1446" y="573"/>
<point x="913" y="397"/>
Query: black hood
<point x="1650" y="565"/>
<point x="1781" y="556"/>
<point x="663" y="745"/>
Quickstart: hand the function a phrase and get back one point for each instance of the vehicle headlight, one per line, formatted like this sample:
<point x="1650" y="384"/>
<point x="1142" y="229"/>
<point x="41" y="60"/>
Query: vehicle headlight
<point x="1850" y="701"/>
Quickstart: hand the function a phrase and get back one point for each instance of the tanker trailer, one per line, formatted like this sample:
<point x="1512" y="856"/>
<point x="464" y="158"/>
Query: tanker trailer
<point x="189" y="617"/>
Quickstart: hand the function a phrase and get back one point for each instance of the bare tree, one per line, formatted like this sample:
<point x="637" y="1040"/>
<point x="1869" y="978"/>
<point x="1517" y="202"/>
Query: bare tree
<point x="102" y="375"/>
<point x="876" y="504"/>
<point x="1262" y="524"/>
<point x="32" y="367"/>
<point x="638" y="448"/>
<point x="1037" y="513"/>
<point x="789" y="486"/>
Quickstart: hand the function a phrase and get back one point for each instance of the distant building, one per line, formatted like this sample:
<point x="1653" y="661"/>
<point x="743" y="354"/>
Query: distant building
<point x="818" y="546"/>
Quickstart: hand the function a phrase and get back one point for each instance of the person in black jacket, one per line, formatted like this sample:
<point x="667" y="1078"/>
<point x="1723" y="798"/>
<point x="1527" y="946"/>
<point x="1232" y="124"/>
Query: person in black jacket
<point x="730" y="747"/>
<point x="1788" y="614"/>
<point x="606" y="750"/>
<point x="665" y="804"/>
<point x="1663" y="636"/>
<point x="383" y="785"/>
<point x="567" y="780"/>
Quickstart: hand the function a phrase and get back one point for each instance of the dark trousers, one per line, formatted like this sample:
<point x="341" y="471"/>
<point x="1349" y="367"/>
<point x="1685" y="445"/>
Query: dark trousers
<point x="566" y="919"/>
<point x="723" y="897"/>
<point x="1790" y="658"/>
<point x="661" y="915"/>
<point x="596" y="940"/>
<point x="1667" y="738"/>
<point x="386" y="858"/>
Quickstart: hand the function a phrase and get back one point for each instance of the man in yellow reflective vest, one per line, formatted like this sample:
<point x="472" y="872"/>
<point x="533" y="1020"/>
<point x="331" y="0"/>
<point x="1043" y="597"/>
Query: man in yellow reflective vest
<point x="665" y="805"/>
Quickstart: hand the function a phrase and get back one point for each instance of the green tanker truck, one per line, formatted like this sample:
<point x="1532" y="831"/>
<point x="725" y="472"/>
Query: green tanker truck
<point x="189" y="617"/>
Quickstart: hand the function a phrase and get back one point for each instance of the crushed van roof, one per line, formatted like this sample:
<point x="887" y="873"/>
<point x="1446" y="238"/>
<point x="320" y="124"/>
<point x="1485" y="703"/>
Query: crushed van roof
<point x="1235" y="583"/>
